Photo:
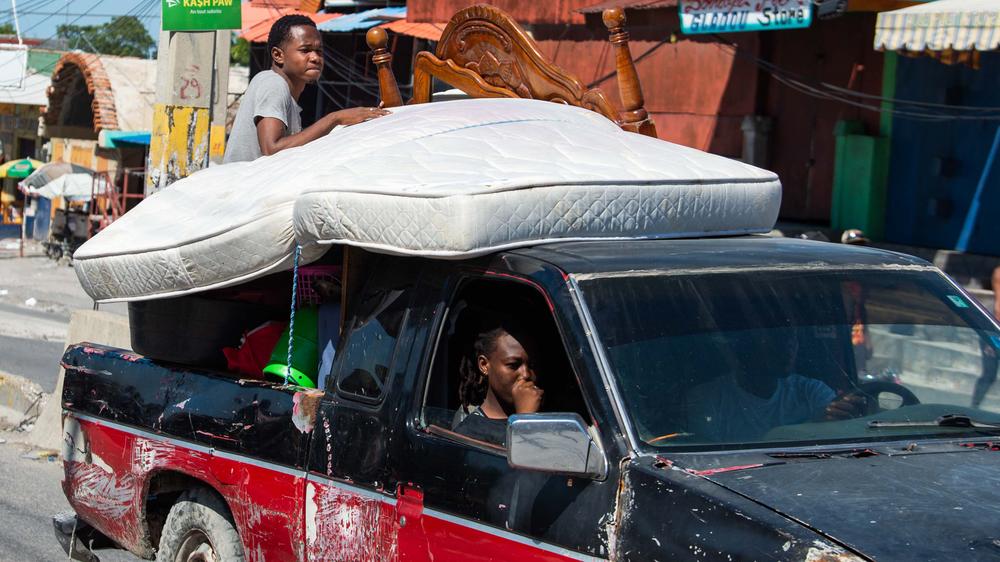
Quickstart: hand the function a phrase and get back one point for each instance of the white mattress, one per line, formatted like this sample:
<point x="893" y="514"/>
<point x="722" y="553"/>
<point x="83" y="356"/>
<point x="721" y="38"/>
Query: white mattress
<point x="450" y="179"/>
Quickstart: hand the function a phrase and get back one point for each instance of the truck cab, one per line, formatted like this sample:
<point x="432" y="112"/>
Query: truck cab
<point x="630" y="456"/>
<point x="706" y="391"/>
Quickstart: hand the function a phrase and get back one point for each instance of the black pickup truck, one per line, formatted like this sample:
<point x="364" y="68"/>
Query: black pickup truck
<point x="745" y="398"/>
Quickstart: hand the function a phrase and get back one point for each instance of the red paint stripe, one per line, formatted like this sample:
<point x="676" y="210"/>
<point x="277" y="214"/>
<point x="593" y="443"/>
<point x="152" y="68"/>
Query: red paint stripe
<point x="270" y="508"/>
<point x="266" y="505"/>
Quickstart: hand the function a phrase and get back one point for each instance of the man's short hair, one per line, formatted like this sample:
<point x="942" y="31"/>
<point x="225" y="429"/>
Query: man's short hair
<point x="283" y="26"/>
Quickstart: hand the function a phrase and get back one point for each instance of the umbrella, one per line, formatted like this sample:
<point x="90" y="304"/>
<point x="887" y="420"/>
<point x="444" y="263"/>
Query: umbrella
<point x="19" y="168"/>
<point x="51" y="171"/>
<point x="72" y="187"/>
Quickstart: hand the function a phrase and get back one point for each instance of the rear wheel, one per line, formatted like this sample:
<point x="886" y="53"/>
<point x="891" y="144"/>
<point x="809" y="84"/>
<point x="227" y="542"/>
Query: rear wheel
<point x="199" y="529"/>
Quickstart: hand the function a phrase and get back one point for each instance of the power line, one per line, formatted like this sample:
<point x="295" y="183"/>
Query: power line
<point x="80" y="14"/>
<point x="838" y="94"/>
<point x="141" y="8"/>
<point x="8" y="16"/>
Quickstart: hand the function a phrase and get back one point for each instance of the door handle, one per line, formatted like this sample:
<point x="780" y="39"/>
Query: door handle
<point x="409" y="503"/>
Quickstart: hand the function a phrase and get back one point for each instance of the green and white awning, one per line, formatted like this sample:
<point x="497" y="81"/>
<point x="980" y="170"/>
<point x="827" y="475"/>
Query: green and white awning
<point x="944" y="25"/>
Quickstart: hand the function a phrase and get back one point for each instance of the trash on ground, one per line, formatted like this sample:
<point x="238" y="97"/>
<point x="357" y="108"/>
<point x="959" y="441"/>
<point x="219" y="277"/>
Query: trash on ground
<point x="42" y="454"/>
<point x="31" y="302"/>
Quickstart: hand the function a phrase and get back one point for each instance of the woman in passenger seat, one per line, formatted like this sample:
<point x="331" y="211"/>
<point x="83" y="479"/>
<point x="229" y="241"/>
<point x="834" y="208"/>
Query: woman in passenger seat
<point x="497" y="379"/>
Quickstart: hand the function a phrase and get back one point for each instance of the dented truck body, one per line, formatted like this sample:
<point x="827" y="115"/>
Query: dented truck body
<point x="335" y="474"/>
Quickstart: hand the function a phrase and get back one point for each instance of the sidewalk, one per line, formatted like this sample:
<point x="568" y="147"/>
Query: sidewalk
<point x="37" y="299"/>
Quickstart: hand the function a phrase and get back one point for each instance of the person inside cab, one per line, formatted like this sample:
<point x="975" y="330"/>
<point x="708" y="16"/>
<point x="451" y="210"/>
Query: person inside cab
<point x="763" y="392"/>
<point x="497" y="379"/>
<point x="268" y="119"/>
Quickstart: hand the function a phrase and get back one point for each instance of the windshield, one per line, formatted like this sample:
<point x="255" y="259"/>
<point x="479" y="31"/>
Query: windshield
<point x="779" y="356"/>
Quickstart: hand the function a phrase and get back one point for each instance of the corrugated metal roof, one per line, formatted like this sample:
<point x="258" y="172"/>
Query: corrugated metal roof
<point x="429" y="31"/>
<point x="523" y="12"/>
<point x="362" y="20"/>
<point x="628" y="5"/>
<point x="257" y="21"/>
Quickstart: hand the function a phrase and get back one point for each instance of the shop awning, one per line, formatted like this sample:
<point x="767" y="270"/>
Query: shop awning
<point x="944" y="25"/>
<point x="118" y="139"/>
<point x="257" y="21"/>
<point x="429" y="31"/>
<point x="362" y="20"/>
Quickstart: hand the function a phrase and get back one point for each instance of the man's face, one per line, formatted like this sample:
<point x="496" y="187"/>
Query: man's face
<point x="301" y="54"/>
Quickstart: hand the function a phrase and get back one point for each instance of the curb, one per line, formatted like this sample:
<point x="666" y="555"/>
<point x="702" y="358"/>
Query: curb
<point x="21" y="402"/>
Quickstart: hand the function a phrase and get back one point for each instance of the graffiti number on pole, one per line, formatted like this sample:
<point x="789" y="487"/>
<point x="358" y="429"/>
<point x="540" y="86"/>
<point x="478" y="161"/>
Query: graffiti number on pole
<point x="190" y="86"/>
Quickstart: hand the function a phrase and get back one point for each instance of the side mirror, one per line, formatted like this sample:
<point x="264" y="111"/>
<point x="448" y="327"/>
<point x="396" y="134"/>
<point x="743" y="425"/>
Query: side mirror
<point x="557" y="443"/>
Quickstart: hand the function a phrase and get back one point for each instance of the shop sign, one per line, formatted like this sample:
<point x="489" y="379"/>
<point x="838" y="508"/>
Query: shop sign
<point x="729" y="16"/>
<point x="201" y="15"/>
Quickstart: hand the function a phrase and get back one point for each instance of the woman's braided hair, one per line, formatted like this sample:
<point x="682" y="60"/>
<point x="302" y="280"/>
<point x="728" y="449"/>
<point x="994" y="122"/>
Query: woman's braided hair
<point x="473" y="384"/>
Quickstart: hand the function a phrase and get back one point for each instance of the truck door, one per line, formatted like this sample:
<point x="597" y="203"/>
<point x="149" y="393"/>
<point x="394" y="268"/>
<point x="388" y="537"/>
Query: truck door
<point x="457" y="497"/>
<point x="349" y="512"/>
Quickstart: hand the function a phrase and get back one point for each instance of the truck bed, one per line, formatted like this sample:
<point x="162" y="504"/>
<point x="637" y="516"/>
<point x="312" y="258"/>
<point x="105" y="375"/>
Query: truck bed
<point x="136" y="431"/>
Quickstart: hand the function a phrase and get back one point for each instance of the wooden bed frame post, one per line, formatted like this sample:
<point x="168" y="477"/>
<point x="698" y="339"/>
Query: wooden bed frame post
<point x="486" y="54"/>
<point x="377" y="40"/>
<point x="634" y="117"/>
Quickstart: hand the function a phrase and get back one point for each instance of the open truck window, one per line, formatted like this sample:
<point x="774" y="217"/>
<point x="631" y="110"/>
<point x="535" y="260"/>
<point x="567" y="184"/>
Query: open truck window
<point x="367" y="352"/>
<point x="453" y="394"/>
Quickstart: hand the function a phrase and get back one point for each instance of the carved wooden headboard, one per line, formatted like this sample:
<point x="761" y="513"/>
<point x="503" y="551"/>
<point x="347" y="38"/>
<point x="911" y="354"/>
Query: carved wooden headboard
<point x="485" y="53"/>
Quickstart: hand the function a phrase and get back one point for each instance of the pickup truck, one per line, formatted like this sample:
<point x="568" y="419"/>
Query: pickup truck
<point x="695" y="407"/>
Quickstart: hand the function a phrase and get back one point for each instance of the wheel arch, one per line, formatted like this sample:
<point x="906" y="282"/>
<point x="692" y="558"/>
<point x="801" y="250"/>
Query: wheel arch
<point x="162" y="490"/>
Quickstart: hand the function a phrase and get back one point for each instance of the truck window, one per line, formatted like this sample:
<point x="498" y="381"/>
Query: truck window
<point x="456" y="388"/>
<point x="365" y="359"/>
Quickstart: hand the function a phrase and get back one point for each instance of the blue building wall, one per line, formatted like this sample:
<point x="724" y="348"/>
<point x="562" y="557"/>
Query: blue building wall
<point x="935" y="166"/>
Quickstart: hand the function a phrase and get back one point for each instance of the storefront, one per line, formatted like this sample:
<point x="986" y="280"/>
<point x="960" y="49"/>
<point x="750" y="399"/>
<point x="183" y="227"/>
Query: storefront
<point x="943" y="180"/>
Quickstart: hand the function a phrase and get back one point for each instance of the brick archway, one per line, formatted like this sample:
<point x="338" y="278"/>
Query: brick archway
<point x="70" y="68"/>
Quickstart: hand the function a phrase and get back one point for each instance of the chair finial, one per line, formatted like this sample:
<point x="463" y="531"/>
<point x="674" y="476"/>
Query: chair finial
<point x="634" y="117"/>
<point x="378" y="39"/>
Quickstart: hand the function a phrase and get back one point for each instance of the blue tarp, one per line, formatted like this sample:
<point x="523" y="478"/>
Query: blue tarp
<point x="362" y="20"/>
<point x="114" y="139"/>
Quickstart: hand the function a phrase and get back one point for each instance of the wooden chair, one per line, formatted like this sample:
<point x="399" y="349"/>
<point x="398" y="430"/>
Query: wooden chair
<point x="486" y="54"/>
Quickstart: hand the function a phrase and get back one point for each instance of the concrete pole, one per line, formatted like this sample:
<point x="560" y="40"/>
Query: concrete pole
<point x="220" y="96"/>
<point x="185" y="90"/>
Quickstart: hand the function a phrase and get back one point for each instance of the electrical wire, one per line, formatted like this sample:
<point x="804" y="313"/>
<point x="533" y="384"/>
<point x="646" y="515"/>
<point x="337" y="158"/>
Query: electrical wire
<point x="143" y="7"/>
<point x="911" y="108"/>
<point x="8" y="15"/>
<point x="638" y="59"/>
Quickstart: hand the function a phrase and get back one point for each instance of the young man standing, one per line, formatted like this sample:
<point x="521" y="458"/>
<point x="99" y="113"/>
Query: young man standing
<point x="268" y="119"/>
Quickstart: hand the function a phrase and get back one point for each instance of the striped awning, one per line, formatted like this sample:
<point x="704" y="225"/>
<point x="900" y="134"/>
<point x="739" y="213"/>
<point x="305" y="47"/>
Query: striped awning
<point x="944" y="25"/>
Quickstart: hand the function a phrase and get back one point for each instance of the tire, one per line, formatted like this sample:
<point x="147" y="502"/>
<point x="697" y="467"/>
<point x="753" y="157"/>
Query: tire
<point x="199" y="529"/>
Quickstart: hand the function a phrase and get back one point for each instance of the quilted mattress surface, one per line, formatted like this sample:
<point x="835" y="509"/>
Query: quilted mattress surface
<point x="450" y="179"/>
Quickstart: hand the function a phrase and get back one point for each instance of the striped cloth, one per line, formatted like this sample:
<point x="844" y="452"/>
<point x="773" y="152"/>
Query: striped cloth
<point x="959" y="25"/>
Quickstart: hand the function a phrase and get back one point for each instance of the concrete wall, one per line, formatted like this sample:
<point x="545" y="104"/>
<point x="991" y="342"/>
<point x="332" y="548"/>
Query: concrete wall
<point x="92" y="326"/>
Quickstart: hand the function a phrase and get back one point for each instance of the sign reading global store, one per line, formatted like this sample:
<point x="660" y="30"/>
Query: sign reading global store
<point x="728" y="16"/>
<point x="201" y="15"/>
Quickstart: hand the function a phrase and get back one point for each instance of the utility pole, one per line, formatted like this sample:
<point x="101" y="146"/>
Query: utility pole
<point x="192" y="83"/>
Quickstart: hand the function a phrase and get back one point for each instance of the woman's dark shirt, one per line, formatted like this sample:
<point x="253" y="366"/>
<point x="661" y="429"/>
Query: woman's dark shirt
<point x="477" y="426"/>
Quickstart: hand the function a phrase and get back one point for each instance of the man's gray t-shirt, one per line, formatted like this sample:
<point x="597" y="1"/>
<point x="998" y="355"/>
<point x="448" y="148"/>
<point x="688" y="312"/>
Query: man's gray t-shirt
<point x="267" y="95"/>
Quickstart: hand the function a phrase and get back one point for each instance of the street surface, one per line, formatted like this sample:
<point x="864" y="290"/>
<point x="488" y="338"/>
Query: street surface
<point x="31" y="495"/>
<point x="37" y="296"/>
<point x="32" y="359"/>
<point x="32" y="339"/>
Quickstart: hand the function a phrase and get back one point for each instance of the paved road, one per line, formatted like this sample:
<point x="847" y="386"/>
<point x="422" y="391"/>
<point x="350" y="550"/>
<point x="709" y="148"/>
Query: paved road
<point x="31" y="495"/>
<point x="37" y="360"/>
